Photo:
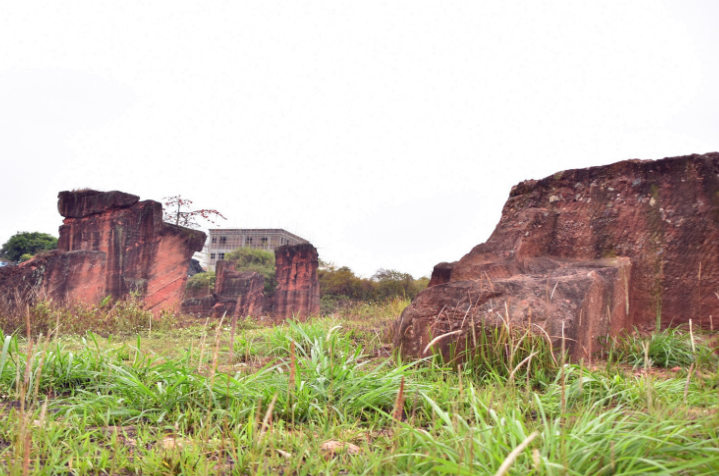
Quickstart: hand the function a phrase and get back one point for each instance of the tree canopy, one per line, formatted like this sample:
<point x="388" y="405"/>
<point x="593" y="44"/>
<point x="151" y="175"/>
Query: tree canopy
<point x="23" y="245"/>
<point x="342" y="283"/>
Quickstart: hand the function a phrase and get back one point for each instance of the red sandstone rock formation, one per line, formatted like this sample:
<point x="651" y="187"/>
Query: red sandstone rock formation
<point x="237" y="293"/>
<point x="251" y="299"/>
<point x="613" y="245"/>
<point x="198" y="301"/>
<point x="199" y="306"/>
<point x="111" y="244"/>
<point x="298" y="290"/>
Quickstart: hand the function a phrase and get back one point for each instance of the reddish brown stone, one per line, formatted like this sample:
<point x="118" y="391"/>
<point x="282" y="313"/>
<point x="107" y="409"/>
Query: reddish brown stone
<point x="251" y="299"/>
<point x="111" y="244"/>
<point x="199" y="306"/>
<point x="198" y="301"/>
<point x="237" y="292"/>
<point x="84" y="203"/>
<point x="661" y="217"/>
<point x="298" y="290"/>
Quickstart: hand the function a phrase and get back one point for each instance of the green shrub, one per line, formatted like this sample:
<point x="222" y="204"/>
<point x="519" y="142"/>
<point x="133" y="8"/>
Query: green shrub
<point x="202" y="280"/>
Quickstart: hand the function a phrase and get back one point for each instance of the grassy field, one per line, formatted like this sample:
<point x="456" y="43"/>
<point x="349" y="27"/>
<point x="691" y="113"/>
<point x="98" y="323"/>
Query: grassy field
<point x="328" y="397"/>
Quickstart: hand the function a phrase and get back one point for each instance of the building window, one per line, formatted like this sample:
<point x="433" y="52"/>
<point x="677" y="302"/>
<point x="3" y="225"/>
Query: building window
<point x="222" y="255"/>
<point x="214" y="239"/>
<point x="212" y="255"/>
<point x="249" y="240"/>
<point x="264" y="241"/>
<point x="223" y="240"/>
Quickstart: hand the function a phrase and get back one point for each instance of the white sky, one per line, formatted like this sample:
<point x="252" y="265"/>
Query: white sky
<point x="389" y="133"/>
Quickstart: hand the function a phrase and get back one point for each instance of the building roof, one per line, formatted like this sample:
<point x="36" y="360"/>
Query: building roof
<point x="242" y="231"/>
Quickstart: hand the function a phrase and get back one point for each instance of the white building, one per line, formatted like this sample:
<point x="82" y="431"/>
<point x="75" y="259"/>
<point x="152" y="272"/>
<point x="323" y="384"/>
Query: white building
<point x="224" y="240"/>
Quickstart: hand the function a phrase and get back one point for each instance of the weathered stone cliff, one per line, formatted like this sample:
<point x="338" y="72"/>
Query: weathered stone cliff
<point x="593" y="251"/>
<point x="111" y="244"/>
<point x="298" y="289"/>
<point x="237" y="292"/>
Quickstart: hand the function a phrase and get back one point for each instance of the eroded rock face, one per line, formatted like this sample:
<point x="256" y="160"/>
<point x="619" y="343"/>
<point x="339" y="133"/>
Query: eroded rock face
<point x="620" y="242"/>
<point x="298" y="290"/>
<point x="242" y="294"/>
<point x="238" y="293"/>
<point x="251" y="300"/>
<point x="111" y="244"/>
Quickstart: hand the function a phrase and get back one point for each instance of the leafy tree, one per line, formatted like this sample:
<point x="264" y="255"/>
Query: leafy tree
<point x="258" y="261"/>
<point x="178" y="210"/>
<point x="341" y="284"/>
<point x="391" y="283"/>
<point x="342" y="281"/>
<point x="26" y="243"/>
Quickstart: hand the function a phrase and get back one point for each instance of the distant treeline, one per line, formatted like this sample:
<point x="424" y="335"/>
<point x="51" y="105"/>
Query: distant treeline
<point x="340" y="286"/>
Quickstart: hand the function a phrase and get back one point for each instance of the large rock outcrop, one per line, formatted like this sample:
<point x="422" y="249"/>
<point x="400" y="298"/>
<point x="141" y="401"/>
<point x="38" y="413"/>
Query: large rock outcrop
<point x="242" y="294"/>
<point x="239" y="293"/>
<point x="593" y="251"/>
<point x="111" y="244"/>
<point x="298" y="290"/>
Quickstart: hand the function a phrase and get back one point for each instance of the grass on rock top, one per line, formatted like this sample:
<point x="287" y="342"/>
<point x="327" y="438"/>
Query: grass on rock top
<point x="181" y="401"/>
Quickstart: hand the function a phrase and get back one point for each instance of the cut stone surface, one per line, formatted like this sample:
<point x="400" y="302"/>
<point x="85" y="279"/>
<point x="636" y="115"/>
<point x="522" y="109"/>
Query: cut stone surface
<point x="237" y="292"/>
<point x="576" y="299"/>
<point x="251" y="300"/>
<point x="643" y="233"/>
<point x="298" y="290"/>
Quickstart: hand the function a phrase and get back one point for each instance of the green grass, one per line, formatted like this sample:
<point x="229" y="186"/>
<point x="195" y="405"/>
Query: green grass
<point x="181" y="401"/>
<point x="669" y="348"/>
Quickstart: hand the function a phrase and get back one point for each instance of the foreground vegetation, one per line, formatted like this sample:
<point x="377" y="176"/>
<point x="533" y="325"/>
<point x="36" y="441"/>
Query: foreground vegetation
<point x="327" y="397"/>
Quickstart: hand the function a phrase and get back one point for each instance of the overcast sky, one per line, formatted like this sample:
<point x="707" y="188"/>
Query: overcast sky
<point x="388" y="133"/>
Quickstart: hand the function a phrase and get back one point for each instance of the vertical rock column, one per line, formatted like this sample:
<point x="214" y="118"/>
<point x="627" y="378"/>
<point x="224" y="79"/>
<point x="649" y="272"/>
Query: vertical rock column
<point x="298" y="290"/>
<point x="237" y="293"/>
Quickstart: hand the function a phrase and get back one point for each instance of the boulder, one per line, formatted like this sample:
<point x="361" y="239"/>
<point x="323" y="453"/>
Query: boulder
<point x="111" y="244"/>
<point x="298" y="290"/>
<point x="616" y="245"/>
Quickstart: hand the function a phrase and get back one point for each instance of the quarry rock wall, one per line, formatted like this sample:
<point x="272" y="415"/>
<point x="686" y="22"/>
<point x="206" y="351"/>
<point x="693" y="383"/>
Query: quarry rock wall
<point x="111" y="244"/>
<point x="298" y="289"/>
<point x="242" y="294"/>
<point x="593" y="251"/>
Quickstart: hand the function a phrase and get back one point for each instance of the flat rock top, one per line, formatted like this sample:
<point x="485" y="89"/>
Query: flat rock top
<point x="91" y="202"/>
